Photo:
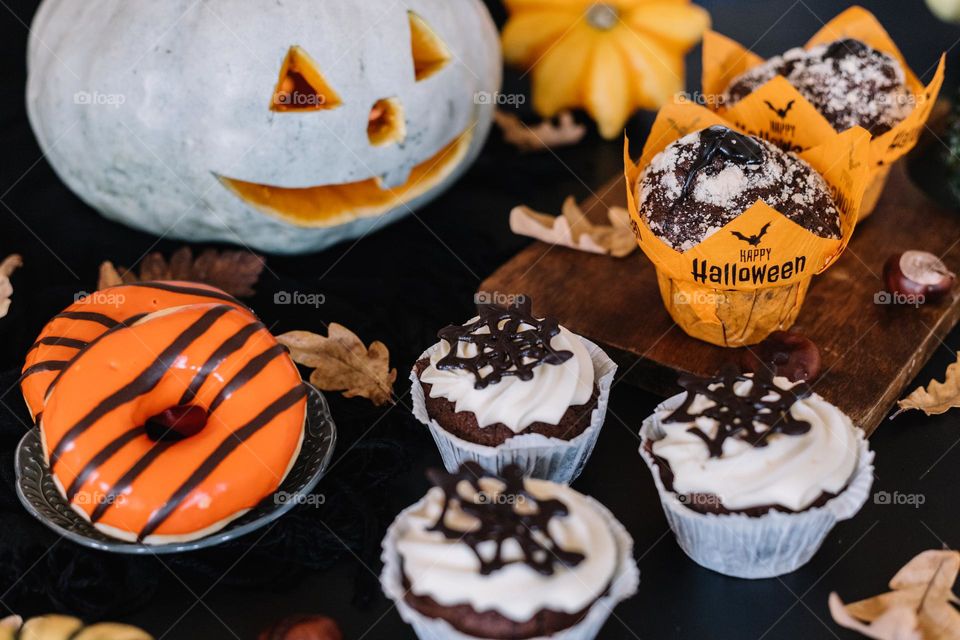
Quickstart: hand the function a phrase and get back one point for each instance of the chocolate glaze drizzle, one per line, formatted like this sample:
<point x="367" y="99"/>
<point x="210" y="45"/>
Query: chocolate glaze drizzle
<point x="720" y="142"/>
<point x="765" y="404"/>
<point x="839" y="49"/>
<point x="511" y="514"/>
<point x="507" y="349"/>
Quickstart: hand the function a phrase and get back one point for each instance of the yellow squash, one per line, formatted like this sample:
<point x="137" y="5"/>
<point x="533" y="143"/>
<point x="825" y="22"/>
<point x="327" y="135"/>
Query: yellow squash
<point x="609" y="58"/>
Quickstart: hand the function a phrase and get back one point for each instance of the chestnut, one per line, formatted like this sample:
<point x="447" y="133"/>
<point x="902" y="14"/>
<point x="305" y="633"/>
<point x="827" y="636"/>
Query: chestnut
<point x="918" y="274"/>
<point x="303" y="627"/>
<point x="786" y="353"/>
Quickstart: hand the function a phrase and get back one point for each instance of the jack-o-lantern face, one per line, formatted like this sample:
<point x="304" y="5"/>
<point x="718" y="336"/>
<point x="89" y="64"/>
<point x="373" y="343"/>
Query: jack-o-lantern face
<point x="284" y="127"/>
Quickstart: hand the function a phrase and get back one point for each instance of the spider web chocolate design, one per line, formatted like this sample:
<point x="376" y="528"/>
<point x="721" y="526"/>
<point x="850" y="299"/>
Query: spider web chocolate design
<point x="765" y="404"/>
<point x="507" y="349"/>
<point x="500" y="519"/>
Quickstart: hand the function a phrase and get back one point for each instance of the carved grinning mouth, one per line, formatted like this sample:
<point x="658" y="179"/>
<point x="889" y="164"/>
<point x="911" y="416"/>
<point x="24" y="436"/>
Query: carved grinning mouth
<point x="336" y="204"/>
<point x="301" y="88"/>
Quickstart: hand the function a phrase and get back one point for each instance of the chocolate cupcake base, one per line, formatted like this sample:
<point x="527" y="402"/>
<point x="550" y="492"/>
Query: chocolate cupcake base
<point x="464" y="425"/>
<point x="552" y="452"/>
<point x="490" y="624"/>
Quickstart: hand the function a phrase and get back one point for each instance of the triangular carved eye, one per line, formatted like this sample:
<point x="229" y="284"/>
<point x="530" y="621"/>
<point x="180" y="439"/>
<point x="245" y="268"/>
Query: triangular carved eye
<point x="430" y="53"/>
<point x="301" y="86"/>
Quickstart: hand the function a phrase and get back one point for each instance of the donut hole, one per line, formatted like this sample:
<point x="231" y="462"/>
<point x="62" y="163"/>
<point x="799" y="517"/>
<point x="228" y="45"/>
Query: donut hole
<point x="176" y="423"/>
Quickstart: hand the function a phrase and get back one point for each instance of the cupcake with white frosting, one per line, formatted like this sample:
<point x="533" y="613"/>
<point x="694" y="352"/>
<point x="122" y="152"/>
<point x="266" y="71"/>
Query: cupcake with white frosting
<point x="510" y="388"/>
<point x="754" y="471"/>
<point x="506" y="557"/>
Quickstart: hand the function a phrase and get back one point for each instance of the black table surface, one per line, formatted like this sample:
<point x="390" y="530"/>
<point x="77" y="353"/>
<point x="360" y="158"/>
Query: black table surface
<point x="406" y="281"/>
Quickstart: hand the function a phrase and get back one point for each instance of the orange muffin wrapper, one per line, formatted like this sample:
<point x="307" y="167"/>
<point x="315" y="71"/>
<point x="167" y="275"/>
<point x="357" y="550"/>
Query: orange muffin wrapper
<point x="750" y="277"/>
<point x="779" y="113"/>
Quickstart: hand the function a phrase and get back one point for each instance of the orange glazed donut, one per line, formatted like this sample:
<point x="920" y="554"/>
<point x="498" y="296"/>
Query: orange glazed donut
<point x="90" y="317"/>
<point x="166" y="428"/>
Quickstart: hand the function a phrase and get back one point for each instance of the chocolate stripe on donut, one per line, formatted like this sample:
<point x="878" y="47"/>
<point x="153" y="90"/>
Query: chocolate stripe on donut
<point x="248" y="371"/>
<point x="59" y="341"/>
<point x="46" y="365"/>
<point x="188" y="290"/>
<point x="102" y="456"/>
<point x="229" y="346"/>
<point x="221" y="453"/>
<point x="90" y="316"/>
<point x="143" y="383"/>
<point x="116" y="326"/>
<point x="158" y="449"/>
<point x="119" y="325"/>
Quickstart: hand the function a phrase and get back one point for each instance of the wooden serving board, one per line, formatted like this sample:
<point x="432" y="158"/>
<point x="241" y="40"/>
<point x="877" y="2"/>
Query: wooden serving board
<point x="870" y="351"/>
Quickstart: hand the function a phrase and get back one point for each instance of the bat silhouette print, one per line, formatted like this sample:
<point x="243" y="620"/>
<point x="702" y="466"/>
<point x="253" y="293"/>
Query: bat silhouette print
<point x="753" y="240"/>
<point x="781" y="113"/>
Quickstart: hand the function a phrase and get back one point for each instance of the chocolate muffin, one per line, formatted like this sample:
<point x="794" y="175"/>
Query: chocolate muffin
<point x="702" y="181"/>
<point x="507" y="373"/>
<point x="507" y="557"/>
<point x="848" y="81"/>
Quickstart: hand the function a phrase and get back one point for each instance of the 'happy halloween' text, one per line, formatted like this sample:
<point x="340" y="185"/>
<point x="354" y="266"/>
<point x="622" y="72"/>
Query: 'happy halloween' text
<point x="733" y="273"/>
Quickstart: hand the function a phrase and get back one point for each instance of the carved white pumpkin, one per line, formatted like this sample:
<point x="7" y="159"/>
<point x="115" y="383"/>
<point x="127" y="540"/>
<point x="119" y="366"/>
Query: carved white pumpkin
<point x="286" y="126"/>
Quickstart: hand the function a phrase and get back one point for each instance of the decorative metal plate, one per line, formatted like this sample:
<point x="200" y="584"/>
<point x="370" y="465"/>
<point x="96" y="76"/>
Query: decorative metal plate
<point x="43" y="500"/>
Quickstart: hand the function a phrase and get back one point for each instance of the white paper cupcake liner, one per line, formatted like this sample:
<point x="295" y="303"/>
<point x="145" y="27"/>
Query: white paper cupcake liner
<point x="539" y="456"/>
<point x="624" y="585"/>
<point x="763" y="547"/>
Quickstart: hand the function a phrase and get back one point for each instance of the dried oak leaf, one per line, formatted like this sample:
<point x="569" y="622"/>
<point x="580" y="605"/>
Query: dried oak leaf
<point x="236" y="272"/>
<point x="545" y="135"/>
<point x="341" y="362"/>
<point x="919" y="606"/>
<point x="573" y="229"/>
<point x="10" y="264"/>
<point x="938" y="397"/>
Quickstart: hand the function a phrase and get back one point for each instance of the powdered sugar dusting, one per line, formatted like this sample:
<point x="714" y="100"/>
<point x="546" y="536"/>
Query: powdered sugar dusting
<point x="849" y="82"/>
<point x="724" y="190"/>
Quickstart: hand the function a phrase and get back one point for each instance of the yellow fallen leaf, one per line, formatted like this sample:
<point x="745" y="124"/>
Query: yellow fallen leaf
<point x="10" y="264"/>
<point x="545" y="135"/>
<point x="938" y="397"/>
<point x="341" y="362"/>
<point x="573" y="229"/>
<point x="920" y="605"/>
